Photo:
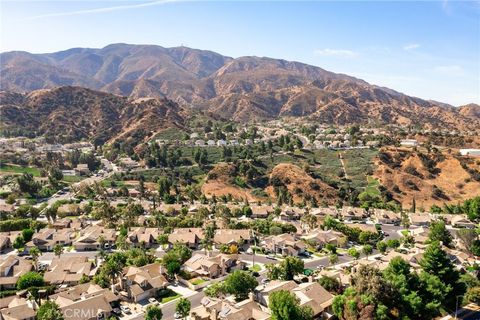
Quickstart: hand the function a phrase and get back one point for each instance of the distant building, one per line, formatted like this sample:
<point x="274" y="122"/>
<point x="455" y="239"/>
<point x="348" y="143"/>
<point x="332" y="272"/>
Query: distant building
<point x="82" y="169"/>
<point x="409" y="143"/>
<point x="470" y="152"/>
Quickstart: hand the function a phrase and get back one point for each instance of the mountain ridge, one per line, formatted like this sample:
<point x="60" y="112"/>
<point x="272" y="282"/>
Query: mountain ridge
<point x="243" y="89"/>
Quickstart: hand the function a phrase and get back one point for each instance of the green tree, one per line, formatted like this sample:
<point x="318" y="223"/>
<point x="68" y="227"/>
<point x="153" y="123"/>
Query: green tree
<point x="153" y="313"/>
<point x="215" y="290"/>
<point x="333" y="258"/>
<point x="240" y="284"/>
<point x="367" y="250"/>
<point x="353" y="253"/>
<point x="285" y="306"/>
<point x="286" y="270"/>
<point x="35" y="253"/>
<point x="435" y="262"/>
<point x="393" y="243"/>
<point x="27" y="234"/>
<point x="183" y="307"/>
<point x="382" y="246"/>
<point x="331" y="284"/>
<point x="58" y="250"/>
<point x="438" y="232"/>
<point x="30" y="279"/>
<point x="49" y="310"/>
<point x="27" y="183"/>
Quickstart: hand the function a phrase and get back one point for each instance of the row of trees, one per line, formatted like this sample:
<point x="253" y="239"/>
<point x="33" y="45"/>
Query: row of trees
<point x="399" y="292"/>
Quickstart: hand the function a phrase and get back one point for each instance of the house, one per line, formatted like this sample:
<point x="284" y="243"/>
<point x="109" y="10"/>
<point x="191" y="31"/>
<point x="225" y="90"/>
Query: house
<point x="284" y="244"/>
<point x="420" y="219"/>
<point x="85" y="301"/>
<point x="92" y="237"/>
<point x="82" y="169"/>
<point x="134" y="193"/>
<point x="273" y="286"/>
<point x="200" y="143"/>
<point x="261" y="212"/>
<point x="69" y="270"/>
<point x="83" y="291"/>
<point x="5" y="243"/>
<point x="46" y="239"/>
<point x="211" y="143"/>
<point x="220" y="309"/>
<point x="408" y="143"/>
<point x="142" y="283"/>
<point x="213" y="267"/>
<point x="128" y="163"/>
<point x="310" y="294"/>
<point x="383" y="216"/>
<point x="88" y="308"/>
<point x="232" y="237"/>
<point x="145" y="237"/>
<point x="69" y="172"/>
<point x="221" y="143"/>
<point x="461" y="221"/>
<point x="322" y="212"/>
<point x="291" y="213"/>
<point x="11" y="268"/>
<point x="15" y="308"/>
<point x="319" y="238"/>
<point x="353" y="213"/>
<point x="470" y="152"/>
<point x="191" y="237"/>
<point x="62" y="223"/>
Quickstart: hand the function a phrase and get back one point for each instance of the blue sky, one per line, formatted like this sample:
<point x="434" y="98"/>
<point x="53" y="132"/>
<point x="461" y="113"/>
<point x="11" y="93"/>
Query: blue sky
<point x="428" y="49"/>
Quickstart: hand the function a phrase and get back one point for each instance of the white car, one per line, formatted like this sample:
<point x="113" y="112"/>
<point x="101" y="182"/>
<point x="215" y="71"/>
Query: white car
<point x="125" y="309"/>
<point x="177" y="315"/>
<point x="153" y="300"/>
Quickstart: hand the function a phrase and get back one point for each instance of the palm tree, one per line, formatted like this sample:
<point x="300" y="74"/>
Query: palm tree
<point x="101" y="241"/>
<point x="35" y="253"/>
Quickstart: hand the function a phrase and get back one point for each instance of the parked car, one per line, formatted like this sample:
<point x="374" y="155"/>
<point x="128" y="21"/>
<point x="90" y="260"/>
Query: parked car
<point x="177" y="315"/>
<point x="153" y="300"/>
<point x="125" y="309"/>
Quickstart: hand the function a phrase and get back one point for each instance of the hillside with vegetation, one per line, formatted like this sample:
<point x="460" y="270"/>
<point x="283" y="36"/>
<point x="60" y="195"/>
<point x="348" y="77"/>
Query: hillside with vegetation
<point x="427" y="177"/>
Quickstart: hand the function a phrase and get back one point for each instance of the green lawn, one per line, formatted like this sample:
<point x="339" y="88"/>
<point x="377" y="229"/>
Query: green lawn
<point x="171" y="134"/>
<point x="372" y="187"/>
<point x="256" y="268"/>
<point x="170" y="298"/>
<point x="72" y="179"/>
<point x="197" y="281"/>
<point x="20" y="170"/>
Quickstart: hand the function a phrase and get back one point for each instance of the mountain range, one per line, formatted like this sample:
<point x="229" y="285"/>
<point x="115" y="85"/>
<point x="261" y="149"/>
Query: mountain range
<point x="242" y="89"/>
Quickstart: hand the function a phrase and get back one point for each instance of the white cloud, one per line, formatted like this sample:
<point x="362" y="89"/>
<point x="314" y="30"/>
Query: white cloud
<point x="101" y="10"/>
<point x="450" y="70"/>
<point x="336" y="53"/>
<point x="411" y="46"/>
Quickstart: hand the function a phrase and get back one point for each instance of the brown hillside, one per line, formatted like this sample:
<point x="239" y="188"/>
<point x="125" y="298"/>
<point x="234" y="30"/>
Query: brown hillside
<point x="242" y="89"/>
<point x="75" y="113"/>
<point x="429" y="178"/>
<point x="300" y="185"/>
<point x="220" y="182"/>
